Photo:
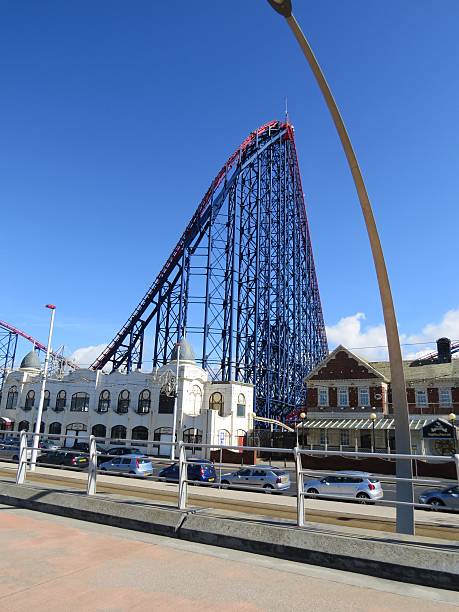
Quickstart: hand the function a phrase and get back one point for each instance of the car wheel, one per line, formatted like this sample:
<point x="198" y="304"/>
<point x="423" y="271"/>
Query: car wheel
<point x="131" y="472"/>
<point x="363" y="498"/>
<point x="268" y="488"/>
<point x="436" y="503"/>
<point x="225" y="482"/>
<point x="312" y="492"/>
<point x="103" y="469"/>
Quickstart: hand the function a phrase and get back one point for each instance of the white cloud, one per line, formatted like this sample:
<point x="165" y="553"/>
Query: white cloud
<point x="370" y="341"/>
<point x="86" y="355"/>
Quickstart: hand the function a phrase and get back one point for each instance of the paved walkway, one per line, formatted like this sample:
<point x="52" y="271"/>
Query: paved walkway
<point x="55" y="564"/>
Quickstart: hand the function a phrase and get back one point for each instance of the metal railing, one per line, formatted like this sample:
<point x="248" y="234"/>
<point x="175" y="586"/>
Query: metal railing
<point x="298" y="454"/>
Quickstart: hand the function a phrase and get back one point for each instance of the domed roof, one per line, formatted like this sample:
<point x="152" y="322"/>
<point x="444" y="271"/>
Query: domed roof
<point x="30" y="362"/>
<point x="186" y="351"/>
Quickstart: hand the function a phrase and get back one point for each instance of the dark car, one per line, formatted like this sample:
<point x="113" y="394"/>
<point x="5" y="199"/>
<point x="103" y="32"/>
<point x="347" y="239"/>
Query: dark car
<point x="117" y="451"/>
<point x="441" y="498"/>
<point x="199" y="470"/>
<point x="63" y="457"/>
<point x="84" y="447"/>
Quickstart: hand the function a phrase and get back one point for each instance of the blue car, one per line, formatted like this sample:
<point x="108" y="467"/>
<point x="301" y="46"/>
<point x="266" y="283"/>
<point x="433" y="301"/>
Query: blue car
<point x="199" y="470"/>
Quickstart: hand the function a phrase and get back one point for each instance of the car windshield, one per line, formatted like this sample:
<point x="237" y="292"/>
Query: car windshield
<point x="143" y="460"/>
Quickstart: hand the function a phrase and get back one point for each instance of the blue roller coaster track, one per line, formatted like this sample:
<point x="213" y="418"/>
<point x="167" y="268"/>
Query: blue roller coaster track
<point x="241" y="281"/>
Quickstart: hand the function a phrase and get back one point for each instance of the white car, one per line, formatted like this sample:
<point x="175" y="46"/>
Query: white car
<point x="351" y="485"/>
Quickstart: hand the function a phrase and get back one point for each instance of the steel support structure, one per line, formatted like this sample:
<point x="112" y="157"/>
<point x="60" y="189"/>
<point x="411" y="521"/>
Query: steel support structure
<point x="241" y="281"/>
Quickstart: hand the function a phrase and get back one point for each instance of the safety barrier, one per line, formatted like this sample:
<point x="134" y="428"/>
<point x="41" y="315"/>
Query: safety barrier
<point x="298" y="454"/>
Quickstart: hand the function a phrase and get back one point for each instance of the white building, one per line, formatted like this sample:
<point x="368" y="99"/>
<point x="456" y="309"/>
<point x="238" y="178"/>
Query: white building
<point x="137" y="405"/>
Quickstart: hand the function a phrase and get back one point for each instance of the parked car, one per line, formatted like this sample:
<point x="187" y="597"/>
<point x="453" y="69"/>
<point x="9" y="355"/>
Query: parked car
<point x="358" y="485"/>
<point x="11" y="452"/>
<point x="199" y="470"/>
<point x="118" y="451"/>
<point x="140" y="465"/>
<point x="441" y="498"/>
<point x="64" y="457"/>
<point x="50" y="445"/>
<point x="262" y="476"/>
<point x="84" y="447"/>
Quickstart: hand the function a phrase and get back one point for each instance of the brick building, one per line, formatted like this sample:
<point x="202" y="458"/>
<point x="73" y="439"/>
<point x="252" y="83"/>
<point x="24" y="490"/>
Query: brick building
<point x="344" y="391"/>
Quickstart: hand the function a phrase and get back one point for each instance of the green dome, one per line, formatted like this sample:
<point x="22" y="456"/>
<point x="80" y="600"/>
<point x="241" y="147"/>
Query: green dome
<point x="30" y="361"/>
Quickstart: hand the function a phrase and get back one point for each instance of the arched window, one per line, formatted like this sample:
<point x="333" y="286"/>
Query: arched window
<point x="196" y="395"/>
<point x="123" y="402"/>
<point x="12" y="397"/>
<point x="100" y="431"/>
<point x="193" y="436"/>
<point x="118" y="433"/>
<point x="55" y="428"/>
<point x="46" y="400"/>
<point x="104" y="401"/>
<point x="23" y="426"/>
<point x="80" y="402"/>
<point x="166" y="399"/>
<point x="30" y="400"/>
<point x="139" y="434"/>
<point x="163" y="435"/>
<point x="216" y="403"/>
<point x="161" y="431"/>
<point x="61" y="399"/>
<point x="224" y="437"/>
<point x="240" y="412"/>
<point x="143" y="406"/>
<point x="42" y="427"/>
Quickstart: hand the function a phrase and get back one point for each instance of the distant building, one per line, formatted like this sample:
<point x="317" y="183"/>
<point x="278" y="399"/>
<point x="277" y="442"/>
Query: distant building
<point x="344" y="390"/>
<point x="137" y="405"/>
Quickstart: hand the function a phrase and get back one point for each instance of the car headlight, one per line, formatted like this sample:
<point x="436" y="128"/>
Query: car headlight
<point x="422" y="499"/>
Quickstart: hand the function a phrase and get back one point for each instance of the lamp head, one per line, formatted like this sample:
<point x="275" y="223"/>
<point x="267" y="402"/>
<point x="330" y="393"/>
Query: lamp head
<point x="283" y="7"/>
<point x="373" y="416"/>
<point x="302" y="415"/>
<point x="51" y="306"/>
<point x="452" y="417"/>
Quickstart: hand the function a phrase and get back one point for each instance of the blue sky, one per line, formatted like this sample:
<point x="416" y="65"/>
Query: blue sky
<point x="115" y="117"/>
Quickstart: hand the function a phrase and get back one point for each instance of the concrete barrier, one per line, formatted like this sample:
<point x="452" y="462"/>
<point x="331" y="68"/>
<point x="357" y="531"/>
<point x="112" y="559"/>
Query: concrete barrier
<point x="410" y="559"/>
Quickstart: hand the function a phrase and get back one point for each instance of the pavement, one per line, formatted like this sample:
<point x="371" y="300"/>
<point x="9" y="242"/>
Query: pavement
<point x="57" y="564"/>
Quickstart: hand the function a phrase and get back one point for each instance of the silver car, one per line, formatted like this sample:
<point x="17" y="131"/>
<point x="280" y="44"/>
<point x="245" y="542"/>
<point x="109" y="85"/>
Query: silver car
<point x="358" y="485"/>
<point x="263" y="476"/>
<point x="134" y="464"/>
<point x="441" y="498"/>
<point x="11" y="452"/>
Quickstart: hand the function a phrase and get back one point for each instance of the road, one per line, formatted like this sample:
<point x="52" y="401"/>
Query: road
<point x="57" y="564"/>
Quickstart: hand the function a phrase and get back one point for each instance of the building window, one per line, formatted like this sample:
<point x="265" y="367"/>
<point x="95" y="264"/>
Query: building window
<point x="139" y="434"/>
<point x="104" y="401"/>
<point x="143" y="406"/>
<point x="30" y="399"/>
<point x="224" y="437"/>
<point x="61" y="400"/>
<point x="240" y="412"/>
<point x="445" y="398"/>
<point x="343" y="396"/>
<point x="193" y="436"/>
<point x="323" y="396"/>
<point x="124" y="399"/>
<point x="197" y="400"/>
<point x="421" y="398"/>
<point x="166" y="399"/>
<point x="23" y="426"/>
<point x="46" y="400"/>
<point x="55" y="428"/>
<point x="12" y="397"/>
<point x="79" y="402"/>
<point x="216" y="403"/>
<point x="99" y="431"/>
<point x="364" y="396"/>
<point x="162" y="432"/>
<point x="323" y="437"/>
<point x="118" y="433"/>
<point x="344" y="437"/>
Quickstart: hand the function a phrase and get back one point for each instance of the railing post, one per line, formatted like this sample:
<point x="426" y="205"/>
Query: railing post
<point x="22" y="465"/>
<point x="456" y="461"/>
<point x="92" y="467"/>
<point x="183" y="476"/>
<point x="299" y="487"/>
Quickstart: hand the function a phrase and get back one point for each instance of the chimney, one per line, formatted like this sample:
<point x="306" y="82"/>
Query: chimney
<point x="444" y="350"/>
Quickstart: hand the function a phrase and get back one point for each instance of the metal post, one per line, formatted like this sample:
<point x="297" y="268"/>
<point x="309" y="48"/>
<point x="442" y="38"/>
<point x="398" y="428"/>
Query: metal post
<point x="404" y="488"/>
<point x="36" y="437"/>
<point x="21" y="473"/>
<point x="174" y="424"/>
<point x="183" y="478"/>
<point x="373" y="436"/>
<point x="299" y="487"/>
<point x="456" y="461"/>
<point x="92" y="467"/>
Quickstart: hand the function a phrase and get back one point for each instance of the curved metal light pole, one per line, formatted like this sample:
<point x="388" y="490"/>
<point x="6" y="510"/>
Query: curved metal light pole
<point x="404" y="488"/>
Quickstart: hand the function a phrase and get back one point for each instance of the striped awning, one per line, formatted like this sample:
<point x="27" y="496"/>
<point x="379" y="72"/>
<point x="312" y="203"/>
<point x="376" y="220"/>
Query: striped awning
<point x="415" y="424"/>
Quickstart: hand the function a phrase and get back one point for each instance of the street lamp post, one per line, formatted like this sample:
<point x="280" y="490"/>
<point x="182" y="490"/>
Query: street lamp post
<point x="174" y="423"/>
<point x="404" y="487"/>
<point x="36" y="436"/>
<point x="452" y="419"/>
<point x="302" y="417"/>
<point x="373" y="418"/>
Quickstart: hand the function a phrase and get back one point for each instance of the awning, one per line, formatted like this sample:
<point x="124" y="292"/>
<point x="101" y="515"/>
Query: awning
<point x="389" y="423"/>
<point x="6" y="420"/>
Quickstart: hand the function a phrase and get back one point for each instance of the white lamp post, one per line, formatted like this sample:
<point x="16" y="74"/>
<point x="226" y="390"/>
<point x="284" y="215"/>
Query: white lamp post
<point x="174" y="424"/>
<point x="36" y="436"/>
